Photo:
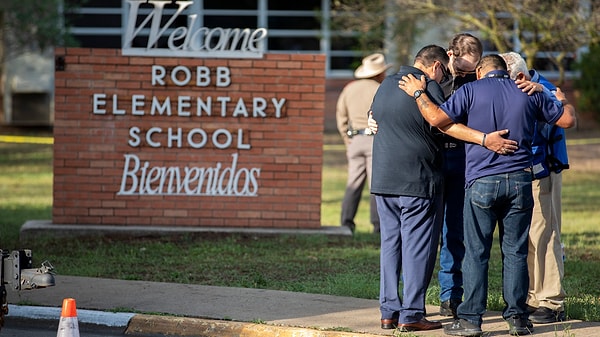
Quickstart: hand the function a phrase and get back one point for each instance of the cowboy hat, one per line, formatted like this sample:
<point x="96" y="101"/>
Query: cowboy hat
<point x="372" y="65"/>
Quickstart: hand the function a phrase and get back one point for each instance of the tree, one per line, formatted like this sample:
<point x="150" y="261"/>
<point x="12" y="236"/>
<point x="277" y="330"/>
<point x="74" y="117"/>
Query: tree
<point x="375" y="26"/>
<point x="30" y="26"/>
<point x="559" y="28"/>
<point x="544" y="26"/>
<point x="588" y="84"/>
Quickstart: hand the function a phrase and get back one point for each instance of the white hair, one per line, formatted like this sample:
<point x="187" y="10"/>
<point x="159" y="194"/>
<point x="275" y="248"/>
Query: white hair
<point x="515" y="64"/>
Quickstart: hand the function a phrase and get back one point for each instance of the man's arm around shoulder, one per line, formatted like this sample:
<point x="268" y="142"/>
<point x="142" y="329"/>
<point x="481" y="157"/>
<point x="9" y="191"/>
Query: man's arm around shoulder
<point x="568" y="118"/>
<point x="438" y="118"/>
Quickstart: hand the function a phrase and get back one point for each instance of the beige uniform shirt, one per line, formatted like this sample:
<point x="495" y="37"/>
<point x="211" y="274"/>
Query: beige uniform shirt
<point x="353" y="105"/>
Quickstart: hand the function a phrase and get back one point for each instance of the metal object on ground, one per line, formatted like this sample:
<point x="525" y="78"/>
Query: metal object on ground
<point x="16" y="270"/>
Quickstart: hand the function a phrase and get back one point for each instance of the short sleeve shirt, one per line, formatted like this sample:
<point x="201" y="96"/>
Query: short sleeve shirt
<point x="495" y="103"/>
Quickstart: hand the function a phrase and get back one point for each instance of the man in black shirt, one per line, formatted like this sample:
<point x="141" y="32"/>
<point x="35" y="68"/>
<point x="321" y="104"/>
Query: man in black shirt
<point x="408" y="183"/>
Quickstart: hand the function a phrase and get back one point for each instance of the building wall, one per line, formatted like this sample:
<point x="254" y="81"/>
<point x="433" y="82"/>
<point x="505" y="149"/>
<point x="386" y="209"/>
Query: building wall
<point x="28" y="90"/>
<point x="100" y="116"/>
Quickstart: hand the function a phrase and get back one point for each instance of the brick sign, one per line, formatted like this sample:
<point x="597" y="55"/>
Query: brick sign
<point x="158" y="141"/>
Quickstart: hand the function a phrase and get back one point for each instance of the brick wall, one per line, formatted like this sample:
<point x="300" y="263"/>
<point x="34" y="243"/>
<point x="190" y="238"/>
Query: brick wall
<point x="120" y="158"/>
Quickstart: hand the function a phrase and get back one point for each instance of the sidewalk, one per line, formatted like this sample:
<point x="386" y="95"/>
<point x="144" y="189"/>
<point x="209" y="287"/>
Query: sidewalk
<point x="196" y="310"/>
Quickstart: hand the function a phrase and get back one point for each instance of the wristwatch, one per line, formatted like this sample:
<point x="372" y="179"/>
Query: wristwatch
<point x="417" y="93"/>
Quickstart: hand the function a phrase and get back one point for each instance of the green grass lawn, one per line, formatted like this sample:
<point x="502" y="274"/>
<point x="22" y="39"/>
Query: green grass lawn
<point x="314" y="264"/>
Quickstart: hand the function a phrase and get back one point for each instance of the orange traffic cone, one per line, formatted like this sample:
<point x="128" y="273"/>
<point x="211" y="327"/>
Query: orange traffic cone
<point x="68" y="326"/>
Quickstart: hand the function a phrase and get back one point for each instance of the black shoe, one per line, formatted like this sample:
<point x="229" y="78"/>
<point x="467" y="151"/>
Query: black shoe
<point x="518" y="326"/>
<point x="462" y="327"/>
<point x="448" y="308"/>
<point x="546" y="315"/>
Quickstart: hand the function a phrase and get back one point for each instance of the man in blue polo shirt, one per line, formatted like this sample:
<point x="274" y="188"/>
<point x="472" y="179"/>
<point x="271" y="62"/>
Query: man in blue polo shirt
<point x="498" y="188"/>
<point x="545" y="259"/>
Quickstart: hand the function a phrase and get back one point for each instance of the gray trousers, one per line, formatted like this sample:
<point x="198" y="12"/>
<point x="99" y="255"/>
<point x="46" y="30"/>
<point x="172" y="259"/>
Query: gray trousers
<point x="359" y="155"/>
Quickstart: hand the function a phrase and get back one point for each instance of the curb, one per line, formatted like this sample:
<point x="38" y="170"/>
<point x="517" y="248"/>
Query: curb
<point x="180" y="326"/>
<point x="33" y="229"/>
<point x="174" y="325"/>
<point x="109" y="319"/>
<point x="184" y="326"/>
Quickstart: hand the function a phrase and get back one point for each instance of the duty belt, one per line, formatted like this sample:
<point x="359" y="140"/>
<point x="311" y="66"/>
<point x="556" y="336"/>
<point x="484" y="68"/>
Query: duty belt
<point x="366" y="131"/>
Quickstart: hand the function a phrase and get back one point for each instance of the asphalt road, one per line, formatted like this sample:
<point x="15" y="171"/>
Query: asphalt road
<point x="40" y="328"/>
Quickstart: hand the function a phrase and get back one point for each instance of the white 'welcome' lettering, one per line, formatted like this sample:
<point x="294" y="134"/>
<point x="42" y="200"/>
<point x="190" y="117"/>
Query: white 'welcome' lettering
<point x="190" y="41"/>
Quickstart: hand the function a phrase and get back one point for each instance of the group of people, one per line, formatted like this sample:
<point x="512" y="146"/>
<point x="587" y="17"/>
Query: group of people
<point x="459" y="148"/>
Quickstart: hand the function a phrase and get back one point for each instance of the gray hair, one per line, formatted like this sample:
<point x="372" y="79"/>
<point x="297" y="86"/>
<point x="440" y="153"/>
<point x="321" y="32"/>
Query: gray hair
<point x="515" y="64"/>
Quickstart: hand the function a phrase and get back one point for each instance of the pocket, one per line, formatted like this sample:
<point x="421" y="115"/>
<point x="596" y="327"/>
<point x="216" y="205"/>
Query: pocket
<point x="484" y="193"/>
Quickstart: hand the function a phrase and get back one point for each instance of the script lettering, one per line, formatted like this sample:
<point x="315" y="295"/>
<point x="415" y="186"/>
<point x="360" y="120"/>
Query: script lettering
<point x="187" y="41"/>
<point x="145" y="179"/>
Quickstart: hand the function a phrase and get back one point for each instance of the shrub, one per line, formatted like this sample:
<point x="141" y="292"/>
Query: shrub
<point x="588" y="83"/>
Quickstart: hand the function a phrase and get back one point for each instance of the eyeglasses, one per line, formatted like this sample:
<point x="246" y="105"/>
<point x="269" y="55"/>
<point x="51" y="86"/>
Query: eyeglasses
<point x="458" y="71"/>
<point x="445" y="74"/>
<point x="462" y="72"/>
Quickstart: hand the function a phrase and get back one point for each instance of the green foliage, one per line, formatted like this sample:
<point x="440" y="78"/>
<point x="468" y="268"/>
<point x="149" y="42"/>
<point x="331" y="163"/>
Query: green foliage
<point x="372" y="26"/>
<point x="362" y="18"/>
<point x="34" y="24"/>
<point x="588" y="83"/>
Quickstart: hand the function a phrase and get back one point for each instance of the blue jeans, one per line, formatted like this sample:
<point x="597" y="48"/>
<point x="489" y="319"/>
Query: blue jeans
<point x="452" y="248"/>
<point x="505" y="199"/>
